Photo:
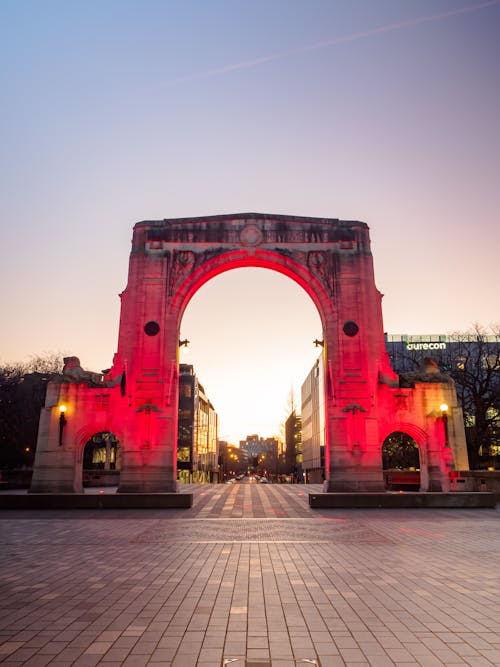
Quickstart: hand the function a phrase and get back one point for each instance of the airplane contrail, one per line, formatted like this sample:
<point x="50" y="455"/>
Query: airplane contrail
<point x="246" y="64"/>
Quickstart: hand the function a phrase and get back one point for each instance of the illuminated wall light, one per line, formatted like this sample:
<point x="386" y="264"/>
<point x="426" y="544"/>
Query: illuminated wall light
<point x="62" y="421"/>
<point x="444" y="416"/>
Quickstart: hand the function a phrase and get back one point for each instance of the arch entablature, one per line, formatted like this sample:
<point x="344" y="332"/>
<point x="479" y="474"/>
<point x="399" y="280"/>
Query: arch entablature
<point x="306" y="249"/>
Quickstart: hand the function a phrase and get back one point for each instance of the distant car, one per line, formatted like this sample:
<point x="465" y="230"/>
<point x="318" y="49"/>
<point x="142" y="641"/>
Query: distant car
<point x="264" y="480"/>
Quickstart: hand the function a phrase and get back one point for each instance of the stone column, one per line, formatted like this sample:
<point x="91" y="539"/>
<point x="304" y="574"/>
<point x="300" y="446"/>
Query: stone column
<point x="53" y="470"/>
<point x="107" y="459"/>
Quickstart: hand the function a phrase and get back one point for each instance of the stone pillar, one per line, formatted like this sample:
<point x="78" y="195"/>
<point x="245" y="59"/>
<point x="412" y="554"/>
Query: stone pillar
<point x="107" y="459"/>
<point x="147" y="462"/>
<point x="54" y="467"/>
<point x="356" y="461"/>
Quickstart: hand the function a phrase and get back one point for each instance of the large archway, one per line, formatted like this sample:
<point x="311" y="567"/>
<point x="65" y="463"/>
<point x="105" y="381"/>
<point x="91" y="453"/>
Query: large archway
<point x="251" y="336"/>
<point x="169" y="262"/>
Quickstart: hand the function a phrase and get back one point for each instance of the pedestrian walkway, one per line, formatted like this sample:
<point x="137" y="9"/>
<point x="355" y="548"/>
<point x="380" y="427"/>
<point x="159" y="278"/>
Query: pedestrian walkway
<point x="250" y="576"/>
<point x="252" y="500"/>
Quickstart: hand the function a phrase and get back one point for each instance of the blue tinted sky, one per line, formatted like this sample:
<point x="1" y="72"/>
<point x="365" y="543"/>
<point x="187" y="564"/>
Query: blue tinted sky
<point x="120" y="111"/>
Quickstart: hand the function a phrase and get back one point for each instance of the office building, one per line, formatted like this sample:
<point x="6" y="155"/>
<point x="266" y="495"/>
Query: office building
<point x="313" y="424"/>
<point x="197" y="450"/>
<point x="293" y="446"/>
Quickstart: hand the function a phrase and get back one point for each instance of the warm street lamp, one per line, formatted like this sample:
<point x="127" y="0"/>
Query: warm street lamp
<point x="444" y="416"/>
<point x="62" y="422"/>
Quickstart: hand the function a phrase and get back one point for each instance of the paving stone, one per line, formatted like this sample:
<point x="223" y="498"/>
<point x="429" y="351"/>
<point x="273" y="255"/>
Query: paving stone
<point x="249" y="572"/>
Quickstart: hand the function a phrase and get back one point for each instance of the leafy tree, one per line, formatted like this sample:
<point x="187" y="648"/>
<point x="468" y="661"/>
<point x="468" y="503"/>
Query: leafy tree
<point x="22" y="395"/>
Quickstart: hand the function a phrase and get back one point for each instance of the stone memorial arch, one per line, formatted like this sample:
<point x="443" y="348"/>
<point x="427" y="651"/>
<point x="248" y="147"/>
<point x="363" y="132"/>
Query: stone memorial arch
<point x="137" y="399"/>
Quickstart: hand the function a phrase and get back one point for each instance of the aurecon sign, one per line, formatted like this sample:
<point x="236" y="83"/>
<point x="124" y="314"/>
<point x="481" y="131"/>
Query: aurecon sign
<point x="426" y="346"/>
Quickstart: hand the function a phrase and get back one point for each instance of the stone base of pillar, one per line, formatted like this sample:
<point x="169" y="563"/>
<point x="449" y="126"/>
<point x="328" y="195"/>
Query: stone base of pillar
<point x="147" y="480"/>
<point x="436" y="479"/>
<point x="355" y="480"/>
<point x="53" y="480"/>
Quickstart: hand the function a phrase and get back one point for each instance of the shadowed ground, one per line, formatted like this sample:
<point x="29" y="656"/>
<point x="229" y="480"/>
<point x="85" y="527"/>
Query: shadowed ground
<point x="250" y="573"/>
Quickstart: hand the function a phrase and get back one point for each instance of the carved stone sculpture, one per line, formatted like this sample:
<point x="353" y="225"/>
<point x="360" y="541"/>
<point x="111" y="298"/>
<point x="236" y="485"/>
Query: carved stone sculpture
<point x="73" y="372"/>
<point x="429" y="371"/>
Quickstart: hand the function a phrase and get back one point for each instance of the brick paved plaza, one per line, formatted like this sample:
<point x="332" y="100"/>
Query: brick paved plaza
<point x="250" y="575"/>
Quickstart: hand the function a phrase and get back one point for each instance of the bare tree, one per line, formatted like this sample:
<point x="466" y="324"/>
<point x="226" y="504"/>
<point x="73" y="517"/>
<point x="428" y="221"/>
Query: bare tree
<point x="23" y="386"/>
<point x="48" y="362"/>
<point x="475" y="367"/>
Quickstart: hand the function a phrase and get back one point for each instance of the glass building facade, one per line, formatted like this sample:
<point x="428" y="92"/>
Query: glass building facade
<point x="313" y="424"/>
<point x="197" y="450"/>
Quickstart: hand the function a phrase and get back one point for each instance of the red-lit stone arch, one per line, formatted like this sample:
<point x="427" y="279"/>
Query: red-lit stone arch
<point x="330" y="259"/>
<point x="138" y="397"/>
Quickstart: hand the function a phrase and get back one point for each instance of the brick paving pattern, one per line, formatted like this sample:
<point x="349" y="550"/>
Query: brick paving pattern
<point x="250" y="575"/>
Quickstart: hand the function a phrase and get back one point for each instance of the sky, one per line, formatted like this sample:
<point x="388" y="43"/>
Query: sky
<point x="117" y="111"/>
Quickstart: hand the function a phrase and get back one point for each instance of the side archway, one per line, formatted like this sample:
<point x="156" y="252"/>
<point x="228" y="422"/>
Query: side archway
<point x="101" y="460"/>
<point x="98" y="445"/>
<point x="401" y="462"/>
<point x="405" y="457"/>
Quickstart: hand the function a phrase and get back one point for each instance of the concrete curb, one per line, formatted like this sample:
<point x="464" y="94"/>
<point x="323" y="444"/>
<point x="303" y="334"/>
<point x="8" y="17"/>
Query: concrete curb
<point x="460" y="500"/>
<point x="96" y="501"/>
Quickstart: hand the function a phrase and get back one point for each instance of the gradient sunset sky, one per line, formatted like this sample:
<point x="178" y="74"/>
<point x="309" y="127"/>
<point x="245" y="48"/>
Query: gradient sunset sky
<point x="116" y="111"/>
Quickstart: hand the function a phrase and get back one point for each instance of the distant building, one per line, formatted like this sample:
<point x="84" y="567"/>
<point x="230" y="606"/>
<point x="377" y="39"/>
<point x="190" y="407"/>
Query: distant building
<point x="293" y="445"/>
<point x="261" y="454"/>
<point x="406" y="351"/>
<point x="255" y="445"/>
<point x="313" y="424"/>
<point x="197" y="450"/>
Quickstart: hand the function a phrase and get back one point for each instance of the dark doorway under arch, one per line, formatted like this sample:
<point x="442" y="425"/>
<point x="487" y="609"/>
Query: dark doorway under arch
<point x="401" y="462"/>
<point x="101" y="460"/>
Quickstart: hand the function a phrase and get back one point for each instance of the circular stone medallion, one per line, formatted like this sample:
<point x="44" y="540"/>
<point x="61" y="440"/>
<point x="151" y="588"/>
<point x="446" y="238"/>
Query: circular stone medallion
<point x="151" y="328"/>
<point x="251" y="235"/>
<point x="350" y="328"/>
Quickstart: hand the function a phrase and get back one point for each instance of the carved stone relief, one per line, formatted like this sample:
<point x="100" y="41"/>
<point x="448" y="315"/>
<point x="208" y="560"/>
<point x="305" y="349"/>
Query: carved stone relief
<point x="251" y="236"/>
<point x="322" y="264"/>
<point x="182" y="264"/>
